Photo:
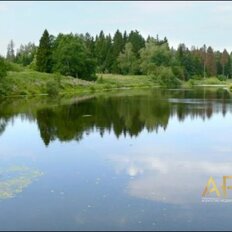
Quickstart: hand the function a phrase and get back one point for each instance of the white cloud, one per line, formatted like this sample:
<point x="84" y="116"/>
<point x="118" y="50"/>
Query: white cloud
<point x="169" y="179"/>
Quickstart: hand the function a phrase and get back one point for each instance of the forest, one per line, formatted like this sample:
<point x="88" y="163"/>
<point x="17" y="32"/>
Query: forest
<point x="82" y="56"/>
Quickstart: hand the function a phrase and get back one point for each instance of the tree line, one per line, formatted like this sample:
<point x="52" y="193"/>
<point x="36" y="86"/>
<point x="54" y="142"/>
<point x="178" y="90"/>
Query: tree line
<point x="83" y="55"/>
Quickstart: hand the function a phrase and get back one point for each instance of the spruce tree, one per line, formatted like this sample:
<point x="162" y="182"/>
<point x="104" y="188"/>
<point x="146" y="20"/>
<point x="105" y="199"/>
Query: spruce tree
<point x="211" y="62"/>
<point x="10" y="51"/>
<point x="43" y="59"/>
<point x="137" y="41"/>
<point x="118" y="46"/>
<point x="224" y="60"/>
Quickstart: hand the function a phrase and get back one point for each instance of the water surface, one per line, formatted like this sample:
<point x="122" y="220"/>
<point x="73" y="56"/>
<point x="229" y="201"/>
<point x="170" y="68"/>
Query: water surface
<point x="126" y="160"/>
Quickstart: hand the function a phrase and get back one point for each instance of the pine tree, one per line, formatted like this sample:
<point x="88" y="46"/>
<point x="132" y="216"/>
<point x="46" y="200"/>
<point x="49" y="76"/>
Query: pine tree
<point x="203" y="55"/>
<point x="118" y="46"/>
<point x="137" y="41"/>
<point x="44" y="52"/>
<point x="109" y="54"/>
<point x="224" y="60"/>
<point x="211" y="62"/>
<point x="10" y="51"/>
<point x="101" y="51"/>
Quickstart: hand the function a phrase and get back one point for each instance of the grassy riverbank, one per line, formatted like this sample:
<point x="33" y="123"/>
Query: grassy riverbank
<point x="28" y="82"/>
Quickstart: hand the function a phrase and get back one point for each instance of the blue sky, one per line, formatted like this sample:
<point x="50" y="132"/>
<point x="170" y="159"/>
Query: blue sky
<point x="193" y="23"/>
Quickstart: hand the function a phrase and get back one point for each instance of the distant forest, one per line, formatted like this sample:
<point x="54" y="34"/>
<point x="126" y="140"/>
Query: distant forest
<point x="82" y="56"/>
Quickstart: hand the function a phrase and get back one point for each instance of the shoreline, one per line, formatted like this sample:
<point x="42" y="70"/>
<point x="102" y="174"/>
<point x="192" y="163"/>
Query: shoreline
<point x="31" y="84"/>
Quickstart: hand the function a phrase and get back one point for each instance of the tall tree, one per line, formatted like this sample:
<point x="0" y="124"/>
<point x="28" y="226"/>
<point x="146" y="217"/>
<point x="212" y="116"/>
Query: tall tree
<point x="44" y="53"/>
<point x="203" y="55"/>
<point x="10" y="51"/>
<point x="127" y="60"/>
<point x="137" y="41"/>
<point x="101" y="50"/>
<point x="25" y="54"/>
<point x="109" y="59"/>
<point x="224" y="60"/>
<point x="153" y="56"/>
<point x="211" y="62"/>
<point x="71" y="57"/>
<point x="117" y="47"/>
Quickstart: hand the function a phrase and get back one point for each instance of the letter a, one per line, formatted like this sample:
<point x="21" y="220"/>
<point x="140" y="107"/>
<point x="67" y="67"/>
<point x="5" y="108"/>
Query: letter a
<point x="214" y="188"/>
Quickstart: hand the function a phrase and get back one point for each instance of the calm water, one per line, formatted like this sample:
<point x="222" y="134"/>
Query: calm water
<point x="129" y="160"/>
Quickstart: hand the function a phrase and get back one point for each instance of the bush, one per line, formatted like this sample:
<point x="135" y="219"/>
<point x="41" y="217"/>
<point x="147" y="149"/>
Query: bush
<point x="230" y="88"/>
<point x="167" y="78"/>
<point x="178" y="71"/>
<point x="100" y="80"/>
<point x="222" y="77"/>
<point x="91" y="77"/>
<point x="196" y="77"/>
<point x="5" y="87"/>
<point x="57" y="79"/>
<point x="52" y="88"/>
<point x="13" y="67"/>
<point x="192" y="82"/>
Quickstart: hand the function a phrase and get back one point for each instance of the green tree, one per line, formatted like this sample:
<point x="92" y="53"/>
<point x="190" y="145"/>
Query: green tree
<point x="103" y="52"/>
<point x="190" y="61"/>
<point x="25" y="54"/>
<point x="117" y="47"/>
<point x="127" y="61"/>
<point x="153" y="55"/>
<point x="44" y="53"/>
<point x="3" y="68"/>
<point x="137" y="40"/>
<point x="71" y="57"/>
<point x="224" y="60"/>
<point x="10" y="51"/>
<point x="108" y="62"/>
<point x="211" y="62"/>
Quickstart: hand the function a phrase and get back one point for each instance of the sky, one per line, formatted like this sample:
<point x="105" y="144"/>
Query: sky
<point x="194" y="23"/>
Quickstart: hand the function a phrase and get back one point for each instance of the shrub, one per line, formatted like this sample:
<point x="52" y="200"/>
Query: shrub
<point x="178" y="71"/>
<point x="230" y="88"/>
<point x="57" y="79"/>
<point x="222" y="77"/>
<point x="91" y="77"/>
<point x="52" y="88"/>
<point x="191" y="82"/>
<point x="100" y="80"/>
<point x="5" y="87"/>
<point x="196" y="77"/>
<point x="167" y="78"/>
<point x="13" y="67"/>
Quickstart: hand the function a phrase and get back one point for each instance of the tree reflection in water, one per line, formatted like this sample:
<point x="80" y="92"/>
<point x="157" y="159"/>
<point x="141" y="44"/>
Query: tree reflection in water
<point x="125" y="113"/>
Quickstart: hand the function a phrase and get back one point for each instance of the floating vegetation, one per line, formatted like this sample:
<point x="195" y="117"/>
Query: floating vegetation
<point x="15" y="179"/>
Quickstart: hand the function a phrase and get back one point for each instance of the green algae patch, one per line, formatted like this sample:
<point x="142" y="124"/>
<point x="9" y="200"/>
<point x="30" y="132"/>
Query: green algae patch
<point x="15" y="179"/>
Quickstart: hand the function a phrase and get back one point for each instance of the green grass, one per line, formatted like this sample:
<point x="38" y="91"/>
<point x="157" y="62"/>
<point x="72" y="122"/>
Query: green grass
<point x="29" y="82"/>
<point x="207" y="81"/>
<point x="121" y="81"/>
<point x="24" y="81"/>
